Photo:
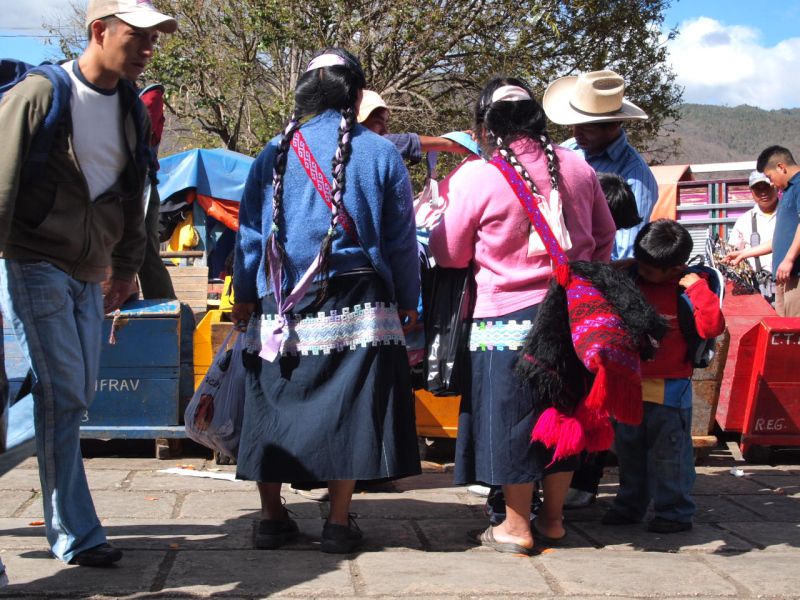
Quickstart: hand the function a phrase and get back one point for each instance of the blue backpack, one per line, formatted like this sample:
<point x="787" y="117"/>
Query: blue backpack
<point x="701" y="351"/>
<point x="13" y="71"/>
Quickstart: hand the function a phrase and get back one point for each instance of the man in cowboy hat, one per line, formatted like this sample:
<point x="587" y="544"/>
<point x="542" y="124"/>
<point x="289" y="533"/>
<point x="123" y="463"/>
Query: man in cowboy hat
<point x="61" y="233"/>
<point x="594" y="105"/>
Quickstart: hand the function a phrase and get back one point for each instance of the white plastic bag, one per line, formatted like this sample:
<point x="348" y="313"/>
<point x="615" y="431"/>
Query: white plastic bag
<point x="214" y="415"/>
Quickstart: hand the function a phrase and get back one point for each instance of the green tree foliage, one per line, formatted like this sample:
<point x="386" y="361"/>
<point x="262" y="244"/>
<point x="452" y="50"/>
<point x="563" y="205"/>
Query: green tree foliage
<point x="232" y="67"/>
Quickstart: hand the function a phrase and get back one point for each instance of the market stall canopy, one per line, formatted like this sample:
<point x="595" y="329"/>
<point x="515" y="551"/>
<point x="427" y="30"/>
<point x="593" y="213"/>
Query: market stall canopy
<point x="668" y="177"/>
<point x="215" y="178"/>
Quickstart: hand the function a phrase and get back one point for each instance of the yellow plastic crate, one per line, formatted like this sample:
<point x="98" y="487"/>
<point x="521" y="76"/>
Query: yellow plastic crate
<point x="437" y="416"/>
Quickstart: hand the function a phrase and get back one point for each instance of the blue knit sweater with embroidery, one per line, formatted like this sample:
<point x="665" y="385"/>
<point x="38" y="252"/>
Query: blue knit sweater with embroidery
<point x="377" y="196"/>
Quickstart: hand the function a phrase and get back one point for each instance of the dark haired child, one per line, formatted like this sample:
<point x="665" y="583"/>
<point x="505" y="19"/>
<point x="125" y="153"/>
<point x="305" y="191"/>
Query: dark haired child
<point x="655" y="458"/>
<point x="621" y="200"/>
<point x="622" y="204"/>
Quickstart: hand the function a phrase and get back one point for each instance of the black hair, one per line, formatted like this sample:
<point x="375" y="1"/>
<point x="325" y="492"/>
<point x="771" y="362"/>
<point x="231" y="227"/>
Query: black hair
<point x="503" y="122"/>
<point x="621" y="200"/>
<point x="111" y="22"/>
<point x="773" y="154"/>
<point x="326" y="88"/>
<point x="663" y="243"/>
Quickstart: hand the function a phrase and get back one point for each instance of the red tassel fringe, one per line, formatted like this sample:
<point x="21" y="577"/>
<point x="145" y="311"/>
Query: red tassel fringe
<point x="586" y="430"/>
<point x="617" y="392"/>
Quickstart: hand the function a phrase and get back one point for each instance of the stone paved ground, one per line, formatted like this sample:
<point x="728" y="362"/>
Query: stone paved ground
<point x="192" y="538"/>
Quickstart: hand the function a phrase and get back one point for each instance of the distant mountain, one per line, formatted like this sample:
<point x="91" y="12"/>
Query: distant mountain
<point x="711" y="134"/>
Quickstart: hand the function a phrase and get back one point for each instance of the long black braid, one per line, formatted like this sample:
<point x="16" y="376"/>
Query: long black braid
<point x="278" y="171"/>
<point x="338" y="168"/>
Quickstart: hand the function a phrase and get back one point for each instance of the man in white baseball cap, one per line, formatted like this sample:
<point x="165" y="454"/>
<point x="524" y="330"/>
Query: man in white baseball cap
<point x="64" y="233"/>
<point x="755" y="227"/>
<point x="136" y="13"/>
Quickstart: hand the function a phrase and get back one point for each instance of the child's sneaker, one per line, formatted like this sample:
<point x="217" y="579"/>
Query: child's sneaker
<point x="495" y="506"/>
<point x="576" y="498"/>
<point x="660" y="525"/>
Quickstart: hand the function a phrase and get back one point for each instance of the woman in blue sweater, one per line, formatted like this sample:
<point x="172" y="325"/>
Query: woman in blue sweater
<point x="326" y="270"/>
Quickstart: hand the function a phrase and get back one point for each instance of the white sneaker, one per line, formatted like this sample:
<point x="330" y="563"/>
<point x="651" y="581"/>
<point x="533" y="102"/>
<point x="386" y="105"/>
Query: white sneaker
<point x="478" y="490"/>
<point x="578" y="498"/>
<point x="317" y="495"/>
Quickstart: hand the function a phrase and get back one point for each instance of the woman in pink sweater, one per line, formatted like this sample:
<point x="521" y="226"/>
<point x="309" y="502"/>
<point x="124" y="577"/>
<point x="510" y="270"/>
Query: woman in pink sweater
<point x="485" y="226"/>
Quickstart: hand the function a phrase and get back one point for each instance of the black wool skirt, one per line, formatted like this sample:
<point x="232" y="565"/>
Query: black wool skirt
<point x="337" y="404"/>
<point x="499" y="411"/>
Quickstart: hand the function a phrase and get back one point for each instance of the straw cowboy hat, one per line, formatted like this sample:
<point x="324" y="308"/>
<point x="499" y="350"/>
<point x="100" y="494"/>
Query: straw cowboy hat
<point x="593" y="97"/>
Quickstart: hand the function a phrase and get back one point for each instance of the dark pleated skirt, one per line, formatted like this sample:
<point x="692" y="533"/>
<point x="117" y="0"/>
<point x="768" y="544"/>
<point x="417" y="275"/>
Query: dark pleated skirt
<point x="334" y="415"/>
<point x="497" y="416"/>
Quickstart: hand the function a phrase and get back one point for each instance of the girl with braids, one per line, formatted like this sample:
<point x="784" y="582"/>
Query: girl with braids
<point x="322" y="287"/>
<point x="484" y="225"/>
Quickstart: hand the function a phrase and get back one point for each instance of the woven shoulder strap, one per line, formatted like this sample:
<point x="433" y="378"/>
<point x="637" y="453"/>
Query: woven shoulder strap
<point x="320" y="181"/>
<point x="531" y="207"/>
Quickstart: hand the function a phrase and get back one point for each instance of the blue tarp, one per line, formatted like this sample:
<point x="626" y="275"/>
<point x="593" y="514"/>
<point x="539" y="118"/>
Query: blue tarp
<point x="217" y="173"/>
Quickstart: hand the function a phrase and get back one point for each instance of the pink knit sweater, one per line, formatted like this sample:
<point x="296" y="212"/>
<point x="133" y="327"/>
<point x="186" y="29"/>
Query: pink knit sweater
<point x="485" y="223"/>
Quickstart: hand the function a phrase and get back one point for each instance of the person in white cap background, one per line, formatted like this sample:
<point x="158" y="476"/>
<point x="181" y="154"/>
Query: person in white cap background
<point x="755" y="227"/>
<point x="594" y="105"/>
<point x="373" y="113"/>
<point x="61" y="233"/>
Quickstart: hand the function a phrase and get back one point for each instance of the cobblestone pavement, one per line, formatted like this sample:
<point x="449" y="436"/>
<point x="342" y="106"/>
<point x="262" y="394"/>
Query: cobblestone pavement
<point x="187" y="537"/>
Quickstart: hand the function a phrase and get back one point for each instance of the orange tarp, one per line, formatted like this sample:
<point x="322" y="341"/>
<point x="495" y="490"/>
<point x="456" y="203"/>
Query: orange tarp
<point x="667" y="177"/>
<point x="224" y="211"/>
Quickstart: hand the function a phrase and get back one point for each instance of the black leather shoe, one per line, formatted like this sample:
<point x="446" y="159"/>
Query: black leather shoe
<point x="274" y="533"/>
<point x="659" y="525"/>
<point x="103" y="555"/>
<point x="341" y="539"/>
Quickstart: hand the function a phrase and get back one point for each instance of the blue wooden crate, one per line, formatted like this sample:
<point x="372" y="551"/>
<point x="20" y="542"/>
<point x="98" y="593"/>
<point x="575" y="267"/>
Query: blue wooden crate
<point x="137" y="391"/>
<point x="139" y="374"/>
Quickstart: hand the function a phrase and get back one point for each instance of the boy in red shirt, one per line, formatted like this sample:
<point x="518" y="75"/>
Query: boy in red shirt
<point x="656" y="460"/>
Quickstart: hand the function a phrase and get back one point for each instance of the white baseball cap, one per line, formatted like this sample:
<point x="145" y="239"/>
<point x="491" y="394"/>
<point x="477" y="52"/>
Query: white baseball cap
<point x="370" y="101"/>
<point x="758" y="177"/>
<point x="136" y="13"/>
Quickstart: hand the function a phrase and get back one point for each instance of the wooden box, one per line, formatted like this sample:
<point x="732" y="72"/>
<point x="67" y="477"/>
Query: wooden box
<point x="137" y="390"/>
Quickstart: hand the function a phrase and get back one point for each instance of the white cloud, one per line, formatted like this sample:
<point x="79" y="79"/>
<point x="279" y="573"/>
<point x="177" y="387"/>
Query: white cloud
<point x="729" y="64"/>
<point x="34" y="13"/>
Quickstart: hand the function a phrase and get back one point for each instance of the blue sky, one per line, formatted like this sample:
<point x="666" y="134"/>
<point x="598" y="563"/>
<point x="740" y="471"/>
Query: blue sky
<point x="728" y="52"/>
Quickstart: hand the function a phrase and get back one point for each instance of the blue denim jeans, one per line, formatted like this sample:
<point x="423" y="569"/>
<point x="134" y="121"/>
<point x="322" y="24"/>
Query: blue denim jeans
<point x="656" y="461"/>
<point x="58" y="323"/>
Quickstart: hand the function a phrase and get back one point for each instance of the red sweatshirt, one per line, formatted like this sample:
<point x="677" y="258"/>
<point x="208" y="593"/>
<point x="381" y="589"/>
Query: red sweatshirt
<point x="670" y="361"/>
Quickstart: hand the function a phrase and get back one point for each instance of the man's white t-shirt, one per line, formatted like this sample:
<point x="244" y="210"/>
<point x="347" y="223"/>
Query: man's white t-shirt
<point x="739" y="237"/>
<point x="97" y="135"/>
